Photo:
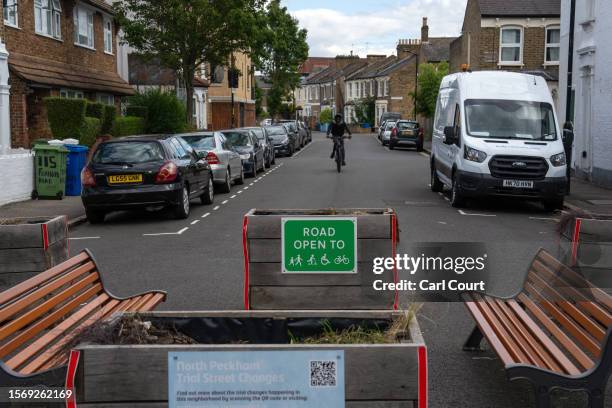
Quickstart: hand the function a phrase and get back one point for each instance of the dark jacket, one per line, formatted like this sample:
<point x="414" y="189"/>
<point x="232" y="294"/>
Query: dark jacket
<point x="337" y="130"/>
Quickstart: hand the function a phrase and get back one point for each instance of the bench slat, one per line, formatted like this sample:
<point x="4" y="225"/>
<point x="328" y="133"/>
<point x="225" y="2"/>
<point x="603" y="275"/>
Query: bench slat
<point x="43" y="308"/>
<point x="40" y="279"/>
<point x="576" y="352"/>
<point x="143" y="300"/>
<point x="155" y="300"/>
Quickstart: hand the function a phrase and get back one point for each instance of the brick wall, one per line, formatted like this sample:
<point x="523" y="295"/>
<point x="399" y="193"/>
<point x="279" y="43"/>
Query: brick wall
<point x="469" y="41"/>
<point x="19" y="123"/>
<point x="402" y="84"/>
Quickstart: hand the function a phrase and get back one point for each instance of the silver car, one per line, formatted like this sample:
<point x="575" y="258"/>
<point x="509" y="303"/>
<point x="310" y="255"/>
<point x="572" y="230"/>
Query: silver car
<point x="225" y="163"/>
<point x="386" y="133"/>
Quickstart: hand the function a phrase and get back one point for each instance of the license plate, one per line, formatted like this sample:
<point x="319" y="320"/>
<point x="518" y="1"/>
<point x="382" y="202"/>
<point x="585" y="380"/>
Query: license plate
<point x="518" y="183"/>
<point x="125" y="179"/>
<point x="407" y="133"/>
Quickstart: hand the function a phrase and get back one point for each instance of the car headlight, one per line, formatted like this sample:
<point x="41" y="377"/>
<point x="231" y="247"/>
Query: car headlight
<point x="245" y="156"/>
<point x="558" y="160"/>
<point x="474" y="155"/>
<point x="285" y="141"/>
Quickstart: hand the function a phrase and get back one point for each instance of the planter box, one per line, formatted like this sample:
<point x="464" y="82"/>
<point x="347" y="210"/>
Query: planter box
<point x="376" y="376"/>
<point x="29" y="246"/>
<point x="268" y="288"/>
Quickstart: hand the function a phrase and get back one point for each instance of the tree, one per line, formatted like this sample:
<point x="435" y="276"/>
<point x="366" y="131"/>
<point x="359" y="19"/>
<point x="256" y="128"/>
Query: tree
<point x="430" y="77"/>
<point x="326" y="116"/>
<point x="183" y="34"/>
<point x="280" y="49"/>
<point x="365" y="110"/>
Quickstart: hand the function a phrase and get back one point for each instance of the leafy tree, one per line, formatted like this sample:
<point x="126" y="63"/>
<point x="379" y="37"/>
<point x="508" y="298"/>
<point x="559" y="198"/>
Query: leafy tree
<point x="430" y="77"/>
<point x="280" y="49"/>
<point x="365" y="110"/>
<point x="326" y="116"/>
<point x="165" y="112"/>
<point x="183" y="34"/>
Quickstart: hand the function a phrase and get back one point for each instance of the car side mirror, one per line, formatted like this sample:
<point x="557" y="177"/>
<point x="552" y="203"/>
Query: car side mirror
<point x="450" y="135"/>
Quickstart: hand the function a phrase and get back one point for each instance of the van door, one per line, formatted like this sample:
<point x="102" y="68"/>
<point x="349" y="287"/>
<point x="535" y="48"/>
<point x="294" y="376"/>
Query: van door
<point x="455" y="149"/>
<point x="444" y="117"/>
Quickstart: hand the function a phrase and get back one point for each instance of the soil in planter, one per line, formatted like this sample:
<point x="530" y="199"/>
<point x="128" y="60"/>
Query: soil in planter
<point x="20" y="221"/>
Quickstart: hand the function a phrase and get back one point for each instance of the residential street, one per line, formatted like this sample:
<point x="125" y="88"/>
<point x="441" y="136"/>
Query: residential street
<point x="199" y="262"/>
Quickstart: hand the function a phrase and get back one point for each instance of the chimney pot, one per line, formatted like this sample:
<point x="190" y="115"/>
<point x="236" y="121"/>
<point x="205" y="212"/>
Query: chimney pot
<point x="425" y="31"/>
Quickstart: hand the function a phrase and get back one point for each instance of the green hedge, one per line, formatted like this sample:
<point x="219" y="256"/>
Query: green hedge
<point x="135" y="110"/>
<point x="89" y="131"/>
<point x="128" y="125"/>
<point x="95" y="110"/>
<point x="110" y="112"/>
<point x="165" y="112"/>
<point x="66" y="116"/>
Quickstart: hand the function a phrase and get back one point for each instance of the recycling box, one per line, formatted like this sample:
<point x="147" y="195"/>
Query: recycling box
<point x="50" y="171"/>
<point x="318" y="259"/>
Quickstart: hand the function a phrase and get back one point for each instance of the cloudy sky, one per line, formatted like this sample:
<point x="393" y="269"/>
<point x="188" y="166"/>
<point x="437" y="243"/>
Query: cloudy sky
<point x="372" y="26"/>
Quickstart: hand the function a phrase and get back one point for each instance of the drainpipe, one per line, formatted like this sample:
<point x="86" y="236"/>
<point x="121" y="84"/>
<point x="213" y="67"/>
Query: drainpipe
<point x="570" y="62"/>
<point x="5" y="118"/>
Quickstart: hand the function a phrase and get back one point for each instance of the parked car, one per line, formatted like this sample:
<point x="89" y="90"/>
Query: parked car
<point x="307" y="130"/>
<point x="251" y="151"/>
<point x="145" y="172"/>
<point x="292" y="129"/>
<point x="262" y="136"/>
<point x="224" y="161"/>
<point x="386" y="133"/>
<point x="497" y="134"/>
<point x="389" y="116"/>
<point x="266" y="122"/>
<point x="407" y="133"/>
<point x="283" y="141"/>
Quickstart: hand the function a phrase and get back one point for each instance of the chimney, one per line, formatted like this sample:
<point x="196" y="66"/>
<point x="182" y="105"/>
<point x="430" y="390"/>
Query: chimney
<point x="425" y="31"/>
<point x="408" y="47"/>
<point x="344" y="60"/>
<point x="373" y="58"/>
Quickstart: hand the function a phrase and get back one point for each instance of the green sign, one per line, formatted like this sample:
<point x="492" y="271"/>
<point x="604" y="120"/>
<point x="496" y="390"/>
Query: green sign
<point x="319" y="245"/>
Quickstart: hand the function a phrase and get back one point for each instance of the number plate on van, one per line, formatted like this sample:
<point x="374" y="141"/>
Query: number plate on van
<point x="518" y="183"/>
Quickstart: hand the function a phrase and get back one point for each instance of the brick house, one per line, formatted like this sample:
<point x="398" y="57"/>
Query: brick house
<point x="517" y="35"/>
<point x="62" y="48"/>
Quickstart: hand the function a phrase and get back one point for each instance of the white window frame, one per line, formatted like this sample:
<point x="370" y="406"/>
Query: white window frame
<point x="90" y="27"/>
<point x="386" y="87"/>
<point x="71" y="94"/>
<point x="48" y="18"/>
<point x="548" y="45"/>
<point x="511" y="45"/>
<point x="105" y="98"/>
<point x="108" y="34"/>
<point x="11" y="20"/>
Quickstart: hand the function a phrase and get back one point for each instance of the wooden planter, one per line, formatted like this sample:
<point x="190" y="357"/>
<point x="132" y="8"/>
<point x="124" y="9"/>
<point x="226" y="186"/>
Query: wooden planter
<point x="586" y="245"/>
<point x="31" y="245"/>
<point x="267" y="288"/>
<point x="376" y="376"/>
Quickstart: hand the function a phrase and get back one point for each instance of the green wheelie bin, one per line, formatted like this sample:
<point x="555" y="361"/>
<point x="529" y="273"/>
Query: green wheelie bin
<point x="50" y="171"/>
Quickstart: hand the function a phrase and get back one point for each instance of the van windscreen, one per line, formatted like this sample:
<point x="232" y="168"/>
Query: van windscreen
<point x="505" y="119"/>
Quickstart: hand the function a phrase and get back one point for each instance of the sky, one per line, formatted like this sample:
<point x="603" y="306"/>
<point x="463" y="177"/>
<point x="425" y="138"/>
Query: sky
<point x="372" y="27"/>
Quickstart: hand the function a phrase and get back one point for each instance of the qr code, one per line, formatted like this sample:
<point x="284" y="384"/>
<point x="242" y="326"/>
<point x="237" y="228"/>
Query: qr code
<point x="323" y="374"/>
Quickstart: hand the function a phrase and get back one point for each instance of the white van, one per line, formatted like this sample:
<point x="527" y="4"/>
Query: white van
<point x="496" y="133"/>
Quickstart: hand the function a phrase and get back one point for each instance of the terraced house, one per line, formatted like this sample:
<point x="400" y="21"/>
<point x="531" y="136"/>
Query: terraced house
<point x="517" y="35"/>
<point x="62" y="48"/>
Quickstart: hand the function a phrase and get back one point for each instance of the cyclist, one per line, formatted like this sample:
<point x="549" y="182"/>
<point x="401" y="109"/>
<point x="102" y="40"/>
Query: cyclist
<point x="337" y="130"/>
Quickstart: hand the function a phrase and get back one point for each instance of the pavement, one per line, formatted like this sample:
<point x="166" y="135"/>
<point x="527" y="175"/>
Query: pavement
<point x="70" y="206"/>
<point x="199" y="260"/>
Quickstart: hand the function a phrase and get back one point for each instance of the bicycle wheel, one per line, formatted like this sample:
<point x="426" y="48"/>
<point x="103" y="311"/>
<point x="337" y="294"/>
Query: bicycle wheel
<point x="339" y="162"/>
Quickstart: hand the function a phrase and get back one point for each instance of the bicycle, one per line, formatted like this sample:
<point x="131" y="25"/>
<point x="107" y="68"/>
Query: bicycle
<point x="339" y="151"/>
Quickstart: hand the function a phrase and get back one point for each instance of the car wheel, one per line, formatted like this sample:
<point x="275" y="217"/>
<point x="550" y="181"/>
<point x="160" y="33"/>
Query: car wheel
<point x="457" y="200"/>
<point x="208" y="196"/>
<point x="95" y="217"/>
<point x="436" y="184"/>
<point x="181" y="210"/>
<point x="254" y="172"/>
<point x="553" y="204"/>
<point x="273" y="162"/>
<point x="240" y="180"/>
<point x="291" y="151"/>
<point x="227" y="184"/>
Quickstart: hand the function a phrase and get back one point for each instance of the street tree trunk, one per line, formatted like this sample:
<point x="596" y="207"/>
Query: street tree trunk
<point x="188" y="75"/>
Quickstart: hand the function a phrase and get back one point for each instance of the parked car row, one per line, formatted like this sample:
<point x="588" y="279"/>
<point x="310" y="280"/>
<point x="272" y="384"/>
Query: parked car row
<point x="401" y="133"/>
<point x="169" y="171"/>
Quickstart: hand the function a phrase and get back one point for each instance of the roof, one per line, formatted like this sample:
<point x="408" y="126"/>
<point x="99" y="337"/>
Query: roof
<point x="58" y="74"/>
<point x="101" y="4"/>
<point x="372" y="70"/>
<point x="315" y="64"/>
<point x="327" y="75"/>
<point x="437" y="49"/>
<point x="520" y="8"/>
<point x="397" y="64"/>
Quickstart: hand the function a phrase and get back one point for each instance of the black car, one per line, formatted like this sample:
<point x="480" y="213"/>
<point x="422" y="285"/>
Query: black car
<point x="294" y="133"/>
<point x="251" y="151"/>
<point x="145" y="172"/>
<point x="406" y="133"/>
<point x="283" y="141"/>
<point x="262" y="136"/>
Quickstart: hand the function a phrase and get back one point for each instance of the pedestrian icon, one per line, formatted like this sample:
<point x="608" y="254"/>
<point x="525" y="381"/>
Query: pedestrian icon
<point x="296" y="261"/>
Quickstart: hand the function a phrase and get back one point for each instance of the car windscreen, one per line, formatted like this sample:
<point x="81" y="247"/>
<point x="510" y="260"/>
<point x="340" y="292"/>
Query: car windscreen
<point x="128" y="153"/>
<point x="201" y="142"/>
<point x="390" y="125"/>
<point x="507" y="119"/>
<point x="276" y="132"/>
<point x="238" y="138"/>
<point x="259" y="133"/>
<point x="407" y="125"/>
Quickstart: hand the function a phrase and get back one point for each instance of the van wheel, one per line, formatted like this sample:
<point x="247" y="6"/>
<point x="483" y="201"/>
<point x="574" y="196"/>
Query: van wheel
<point x="457" y="199"/>
<point x="436" y="184"/>
<point x="554" y="204"/>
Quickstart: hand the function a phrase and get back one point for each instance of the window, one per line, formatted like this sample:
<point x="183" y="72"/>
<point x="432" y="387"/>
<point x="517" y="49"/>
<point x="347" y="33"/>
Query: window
<point x="83" y="27"/>
<point x="72" y="94"/>
<point x="386" y="87"/>
<point x="108" y="35"/>
<point x="106" y="99"/>
<point x="553" y="45"/>
<point x="511" y="47"/>
<point x="10" y="12"/>
<point x="48" y="17"/>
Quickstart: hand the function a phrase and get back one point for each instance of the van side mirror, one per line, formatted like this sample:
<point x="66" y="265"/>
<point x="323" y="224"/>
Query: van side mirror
<point x="450" y="135"/>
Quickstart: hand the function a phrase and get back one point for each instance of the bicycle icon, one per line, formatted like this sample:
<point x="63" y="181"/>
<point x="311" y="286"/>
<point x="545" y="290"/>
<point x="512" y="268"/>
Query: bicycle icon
<point x="342" y="260"/>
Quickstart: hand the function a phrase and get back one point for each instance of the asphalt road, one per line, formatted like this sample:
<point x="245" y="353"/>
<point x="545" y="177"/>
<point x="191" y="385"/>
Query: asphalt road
<point x="199" y="260"/>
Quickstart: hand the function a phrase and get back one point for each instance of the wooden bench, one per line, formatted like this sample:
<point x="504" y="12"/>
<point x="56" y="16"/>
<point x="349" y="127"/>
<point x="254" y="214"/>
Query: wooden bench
<point x="41" y="315"/>
<point x="556" y="332"/>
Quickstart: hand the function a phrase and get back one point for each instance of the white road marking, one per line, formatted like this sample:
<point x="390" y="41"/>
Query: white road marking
<point x="205" y="215"/>
<point x="301" y="151"/>
<point x="166" y="233"/>
<point x="195" y="222"/>
<point x="232" y="197"/>
<point x="82" y="238"/>
<point x="250" y="185"/>
<point x="476" y="215"/>
<point x="246" y="188"/>
<point x="225" y="202"/>
<point x="544" y="219"/>
<point x="216" y="208"/>
<point x="441" y="222"/>
<point x="447" y="199"/>
<point x="183" y="230"/>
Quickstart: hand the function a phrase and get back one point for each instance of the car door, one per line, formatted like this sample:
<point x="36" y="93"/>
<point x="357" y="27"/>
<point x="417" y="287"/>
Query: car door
<point x="257" y="147"/>
<point x="199" y="165"/>
<point x="186" y="166"/>
<point x="235" y="162"/>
